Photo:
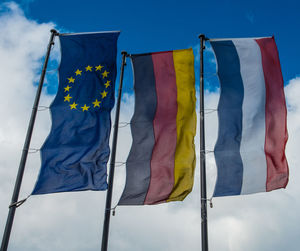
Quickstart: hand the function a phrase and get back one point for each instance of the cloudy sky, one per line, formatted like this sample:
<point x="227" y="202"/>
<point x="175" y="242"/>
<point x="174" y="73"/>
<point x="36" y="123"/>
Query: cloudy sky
<point x="73" y="221"/>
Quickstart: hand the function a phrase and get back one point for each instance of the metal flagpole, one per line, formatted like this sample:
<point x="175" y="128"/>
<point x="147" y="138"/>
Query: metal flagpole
<point x="112" y="161"/>
<point x="204" y="238"/>
<point x="15" y="196"/>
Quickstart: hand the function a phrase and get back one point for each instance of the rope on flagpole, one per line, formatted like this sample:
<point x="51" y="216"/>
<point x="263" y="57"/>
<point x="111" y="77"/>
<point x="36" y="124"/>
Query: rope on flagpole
<point x="207" y="76"/>
<point x="43" y="108"/>
<point x="120" y="163"/>
<point x="206" y="151"/>
<point x="123" y="124"/>
<point x="18" y="203"/>
<point x="33" y="150"/>
<point x="52" y="71"/>
<point x="208" y="111"/>
<point x="210" y="201"/>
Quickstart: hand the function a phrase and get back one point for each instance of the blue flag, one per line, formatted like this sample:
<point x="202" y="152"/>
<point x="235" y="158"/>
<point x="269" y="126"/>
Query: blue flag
<point x="75" y="154"/>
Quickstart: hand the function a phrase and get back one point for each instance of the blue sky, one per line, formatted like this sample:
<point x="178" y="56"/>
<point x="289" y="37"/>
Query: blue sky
<point x="73" y="221"/>
<point x="163" y="25"/>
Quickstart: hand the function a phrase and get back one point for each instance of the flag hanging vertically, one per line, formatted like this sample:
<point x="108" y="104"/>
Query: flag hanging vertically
<point x="75" y="154"/>
<point x="250" y="149"/>
<point x="161" y="162"/>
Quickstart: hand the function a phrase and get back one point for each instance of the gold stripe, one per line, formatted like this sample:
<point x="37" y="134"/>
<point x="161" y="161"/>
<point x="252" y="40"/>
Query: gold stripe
<point x="185" y="158"/>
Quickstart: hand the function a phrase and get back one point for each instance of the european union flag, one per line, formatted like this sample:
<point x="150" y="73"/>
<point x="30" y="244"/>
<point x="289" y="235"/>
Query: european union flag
<point x="75" y="154"/>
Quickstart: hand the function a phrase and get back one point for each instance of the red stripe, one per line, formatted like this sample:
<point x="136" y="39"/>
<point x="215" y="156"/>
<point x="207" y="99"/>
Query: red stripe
<point x="276" y="128"/>
<point x="165" y="131"/>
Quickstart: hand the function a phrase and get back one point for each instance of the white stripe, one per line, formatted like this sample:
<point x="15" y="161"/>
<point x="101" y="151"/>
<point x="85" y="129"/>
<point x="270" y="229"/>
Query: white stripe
<point x="234" y="39"/>
<point x="253" y="124"/>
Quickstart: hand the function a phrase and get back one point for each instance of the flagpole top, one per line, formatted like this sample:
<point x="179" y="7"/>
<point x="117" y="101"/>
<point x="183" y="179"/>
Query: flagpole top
<point x="54" y="32"/>
<point x="202" y="36"/>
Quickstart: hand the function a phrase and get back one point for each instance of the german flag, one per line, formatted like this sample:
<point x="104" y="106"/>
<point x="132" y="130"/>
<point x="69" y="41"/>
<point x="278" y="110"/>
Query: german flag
<point x="160" y="166"/>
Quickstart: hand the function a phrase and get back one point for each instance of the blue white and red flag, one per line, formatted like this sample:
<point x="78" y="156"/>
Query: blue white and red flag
<point x="250" y="149"/>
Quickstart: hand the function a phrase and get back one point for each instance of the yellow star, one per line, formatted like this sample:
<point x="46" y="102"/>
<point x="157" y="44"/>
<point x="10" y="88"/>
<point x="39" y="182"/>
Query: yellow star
<point x="96" y="103"/>
<point x="67" y="98"/>
<point x="85" y="108"/>
<point x="99" y="67"/>
<point x="71" y="80"/>
<point x="67" y="89"/>
<point x="107" y="84"/>
<point x="105" y="74"/>
<point x="88" y="68"/>
<point x="78" y="72"/>
<point x="73" y="106"/>
<point x="104" y="93"/>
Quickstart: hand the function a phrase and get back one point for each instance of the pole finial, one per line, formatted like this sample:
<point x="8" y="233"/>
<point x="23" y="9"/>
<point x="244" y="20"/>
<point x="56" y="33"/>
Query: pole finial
<point x="54" y="31"/>
<point x="202" y="36"/>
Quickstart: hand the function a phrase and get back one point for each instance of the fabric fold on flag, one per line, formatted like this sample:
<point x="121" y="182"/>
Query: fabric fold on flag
<point x="250" y="149"/>
<point x="75" y="154"/>
<point x="161" y="162"/>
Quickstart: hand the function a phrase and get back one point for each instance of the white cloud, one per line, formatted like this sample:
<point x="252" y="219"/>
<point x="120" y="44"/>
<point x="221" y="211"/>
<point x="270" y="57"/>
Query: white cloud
<point x="73" y="221"/>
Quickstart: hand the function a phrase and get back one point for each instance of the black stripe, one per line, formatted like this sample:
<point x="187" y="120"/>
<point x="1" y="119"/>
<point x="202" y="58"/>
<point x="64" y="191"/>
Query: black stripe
<point x="227" y="149"/>
<point x="138" y="162"/>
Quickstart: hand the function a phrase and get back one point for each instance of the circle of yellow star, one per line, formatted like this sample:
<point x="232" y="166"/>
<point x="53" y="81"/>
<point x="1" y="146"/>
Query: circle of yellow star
<point x="99" y="67"/>
<point x="78" y="72"/>
<point x="85" y="108"/>
<point x="105" y="74"/>
<point x="96" y="103"/>
<point x="71" y="80"/>
<point x="73" y="106"/>
<point x="107" y="84"/>
<point x="103" y="94"/>
<point x="67" y="88"/>
<point x="88" y="68"/>
<point x="67" y="98"/>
